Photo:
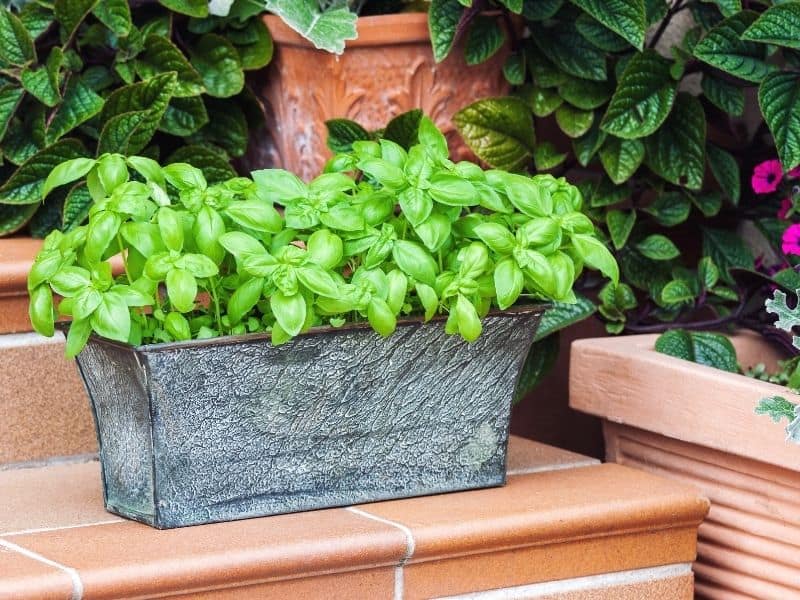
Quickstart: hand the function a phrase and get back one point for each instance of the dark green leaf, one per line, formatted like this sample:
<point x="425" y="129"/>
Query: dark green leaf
<point x="257" y="51"/>
<point x="545" y="156"/>
<point x="676" y="152"/>
<point x="15" y="217"/>
<point x="542" y="101"/>
<point x="723" y="95"/>
<point x="79" y="105"/>
<point x="25" y="185"/>
<point x="10" y="95"/>
<point x="214" y="165"/>
<point x="562" y="315"/>
<point x="625" y="17"/>
<point x="587" y="146"/>
<point x="36" y="18"/>
<point x="585" y="94"/>
<point x="514" y="68"/>
<point x="114" y="14"/>
<point x="658" y="247"/>
<point x="777" y="25"/>
<point x="539" y="10"/>
<point x="343" y="132"/>
<point x="643" y="99"/>
<point x="499" y="131"/>
<point x="404" y="128"/>
<point x="193" y="8"/>
<point x="727" y="250"/>
<point x="573" y="121"/>
<point x="620" y="224"/>
<point x="708" y="203"/>
<point x="779" y="97"/>
<point x="76" y="207"/>
<point x="122" y="133"/>
<point x="677" y="291"/>
<point x="570" y="51"/>
<point x="484" y="38"/>
<point x="725" y="170"/>
<point x="599" y="35"/>
<point x="443" y="18"/>
<point x="161" y="55"/>
<point x="70" y="13"/>
<point x="16" y="45"/>
<point x="710" y="349"/>
<point x="621" y="158"/>
<point x="219" y="65"/>
<point x="541" y="358"/>
<point x="722" y="48"/>
<point x="227" y="127"/>
<point x="184" y="116"/>
<point x="670" y="208"/>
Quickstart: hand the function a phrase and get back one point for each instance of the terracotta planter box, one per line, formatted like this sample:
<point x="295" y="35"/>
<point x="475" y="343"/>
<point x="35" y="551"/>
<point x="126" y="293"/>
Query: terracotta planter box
<point x="388" y="70"/>
<point x="697" y="424"/>
<point x="16" y="258"/>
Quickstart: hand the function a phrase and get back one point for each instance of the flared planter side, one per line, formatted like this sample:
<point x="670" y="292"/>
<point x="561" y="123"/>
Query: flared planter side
<point x="388" y="70"/>
<point x="215" y="430"/>
<point x="697" y="424"/>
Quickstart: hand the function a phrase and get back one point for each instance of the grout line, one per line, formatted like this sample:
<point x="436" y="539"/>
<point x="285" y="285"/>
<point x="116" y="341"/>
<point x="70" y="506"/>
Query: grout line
<point x="74" y="459"/>
<point x="590" y="583"/>
<point x="589" y="462"/>
<point x="45" y="529"/>
<point x="410" y="546"/>
<point x="77" y="584"/>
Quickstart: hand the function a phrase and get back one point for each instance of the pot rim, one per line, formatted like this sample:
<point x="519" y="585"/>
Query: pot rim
<point x="375" y="30"/>
<point x="228" y="340"/>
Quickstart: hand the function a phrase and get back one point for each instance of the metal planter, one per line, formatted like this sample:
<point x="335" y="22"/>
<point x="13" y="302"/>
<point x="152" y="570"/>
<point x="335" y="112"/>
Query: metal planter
<point x="233" y="427"/>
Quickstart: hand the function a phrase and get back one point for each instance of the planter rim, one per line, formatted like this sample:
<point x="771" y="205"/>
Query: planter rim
<point x="228" y="340"/>
<point x="16" y="258"/>
<point x="376" y="30"/>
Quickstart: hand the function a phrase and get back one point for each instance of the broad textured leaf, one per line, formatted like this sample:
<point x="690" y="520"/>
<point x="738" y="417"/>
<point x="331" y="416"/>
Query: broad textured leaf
<point x="587" y="146"/>
<point x="80" y="104"/>
<point x="443" y="18"/>
<point x="25" y="185"/>
<point x="76" y="207"/>
<point x="15" y="217"/>
<point x="114" y="14"/>
<point x="484" y="38"/>
<point x="599" y="35"/>
<point x="722" y="48"/>
<point x="779" y="97"/>
<point x="625" y="17"/>
<point x="36" y="18"/>
<point x="539" y="10"/>
<point x="227" y="127"/>
<point x="725" y="96"/>
<point x="776" y="408"/>
<point x="25" y="135"/>
<point x="727" y="250"/>
<point x="122" y="133"/>
<point x="670" y="208"/>
<point x="725" y="169"/>
<point x="48" y="215"/>
<point x="44" y="82"/>
<point x="621" y="158"/>
<point x="779" y="25"/>
<point x="708" y="203"/>
<point x="151" y="96"/>
<point x="16" y="44"/>
<point x="161" y="55"/>
<point x="561" y="315"/>
<point x="514" y="68"/>
<point x="257" y="51"/>
<point x="570" y="51"/>
<point x="219" y="65"/>
<point x="704" y="348"/>
<point x="70" y="13"/>
<point x="620" y="224"/>
<point x="545" y="156"/>
<point x="193" y="8"/>
<point x="658" y="247"/>
<point x="541" y="358"/>
<point x="184" y="116"/>
<point x="676" y="152"/>
<point x="585" y="94"/>
<point x="499" y="131"/>
<point x="542" y="101"/>
<point x="727" y="7"/>
<point x="574" y="121"/>
<point x="643" y="99"/>
<point x="343" y="132"/>
<point x="327" y="29"/>
<point x="214" y="165"/>
<point x="10" y="95"/>
<point x="404" y="128"/>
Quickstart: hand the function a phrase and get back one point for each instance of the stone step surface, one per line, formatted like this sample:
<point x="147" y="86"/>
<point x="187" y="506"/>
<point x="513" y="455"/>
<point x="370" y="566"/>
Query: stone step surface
<point x="563" y="528"/>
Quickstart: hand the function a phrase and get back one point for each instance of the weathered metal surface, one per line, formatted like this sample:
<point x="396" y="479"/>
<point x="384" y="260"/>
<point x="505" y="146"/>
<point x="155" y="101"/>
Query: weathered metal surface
<point x="231" y="428"/>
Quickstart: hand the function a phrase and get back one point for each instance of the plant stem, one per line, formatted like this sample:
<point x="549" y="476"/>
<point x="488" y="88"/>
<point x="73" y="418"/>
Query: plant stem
<point x="215" y="300"/>
<point x="662" y="27"/>
<point x="124" y="258"/>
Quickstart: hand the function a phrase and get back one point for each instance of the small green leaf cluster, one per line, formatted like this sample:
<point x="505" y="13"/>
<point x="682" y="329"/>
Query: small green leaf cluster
<point x="82" y="78"/>
<point x="383" y="233"/>
<point x="656" y="131"/>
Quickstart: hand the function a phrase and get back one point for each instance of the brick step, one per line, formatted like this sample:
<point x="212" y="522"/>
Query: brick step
<point x="562" y="528"/>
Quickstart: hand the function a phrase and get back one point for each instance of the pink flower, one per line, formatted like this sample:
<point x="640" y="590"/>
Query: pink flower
<point x="791" y="240"/>
<point x="767" y="177"/>
<point x="786" y="206"/>
<point x="794" y="173"/>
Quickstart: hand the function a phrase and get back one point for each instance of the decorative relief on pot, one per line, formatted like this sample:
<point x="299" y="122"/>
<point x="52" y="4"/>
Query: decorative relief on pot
<point x="369" y="84"/>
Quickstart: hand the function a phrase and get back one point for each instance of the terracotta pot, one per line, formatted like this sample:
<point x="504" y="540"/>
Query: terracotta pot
<point x="16" y="258"/>
<point x="388" y="70"/>
<point x="696" y="424"/>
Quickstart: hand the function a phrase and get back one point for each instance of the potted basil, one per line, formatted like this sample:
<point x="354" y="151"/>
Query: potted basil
<point x="243" y="364"/>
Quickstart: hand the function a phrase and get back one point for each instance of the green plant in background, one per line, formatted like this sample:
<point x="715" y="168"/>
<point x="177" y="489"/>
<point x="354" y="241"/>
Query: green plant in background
<point x="654" y="131"/>
<point x="204" y="260"/>
<point x="83" y="78"/>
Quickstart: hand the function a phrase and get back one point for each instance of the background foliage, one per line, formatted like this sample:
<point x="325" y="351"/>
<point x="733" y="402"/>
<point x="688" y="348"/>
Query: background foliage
<point x="83" y="77"/>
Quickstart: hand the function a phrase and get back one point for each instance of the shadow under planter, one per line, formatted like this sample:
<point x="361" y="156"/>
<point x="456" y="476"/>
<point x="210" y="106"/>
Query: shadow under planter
<point x="697" y="424"/>
<point x="228" y="428"/>
<point x="387" y="71"/>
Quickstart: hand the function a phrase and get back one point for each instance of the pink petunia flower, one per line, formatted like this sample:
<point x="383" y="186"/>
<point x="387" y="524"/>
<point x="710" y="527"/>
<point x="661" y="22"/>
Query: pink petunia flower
<point x="790" y="244"/>
<point x="767" y="177"/>
<point x="786" y="206"/>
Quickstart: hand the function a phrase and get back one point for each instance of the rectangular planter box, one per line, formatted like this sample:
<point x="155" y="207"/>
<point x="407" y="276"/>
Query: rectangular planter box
<point x="229" y="428"/>
<point x="696" y="424"/>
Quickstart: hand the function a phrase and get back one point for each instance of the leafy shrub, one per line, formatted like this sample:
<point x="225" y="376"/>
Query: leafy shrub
<point x="657" y="136"/>
<point x="411" y="233"/>
<point x="89" y="77"/>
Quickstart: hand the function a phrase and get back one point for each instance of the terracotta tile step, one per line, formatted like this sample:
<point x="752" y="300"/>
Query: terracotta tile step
<point x="577" y="532"/>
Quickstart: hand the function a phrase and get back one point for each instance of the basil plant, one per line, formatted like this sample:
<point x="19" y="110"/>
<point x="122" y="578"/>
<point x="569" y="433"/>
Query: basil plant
<point x="383" y="233"/>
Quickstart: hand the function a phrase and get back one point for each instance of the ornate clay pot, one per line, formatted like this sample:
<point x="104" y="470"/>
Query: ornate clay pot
<point x="388" y="70"/>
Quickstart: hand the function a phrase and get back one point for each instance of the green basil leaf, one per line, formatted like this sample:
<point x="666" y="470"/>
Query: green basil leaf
<point x="112" y="318"/>
<point x="289" y="311"/>
<point x="508" y="282"/>
<point x="181" y="289"/>
<point x="497" y="237"/>
<point x="40" y="310"/>
<point x="244" y="299"/>
<point x="77" y="336"/>
<point x="595" y="254"/>
<point x="469" y="324"/>
<point x="415" y="261"/>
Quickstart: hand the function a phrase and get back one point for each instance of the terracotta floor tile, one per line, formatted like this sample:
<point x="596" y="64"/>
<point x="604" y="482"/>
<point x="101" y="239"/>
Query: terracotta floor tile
<point x="44" y="405"/>
<point x="528" y="456"/>
<point x="370" y="584"/>
<point x="549" y="562"/>
<point x="24" y="578"/>
<point x="543" y="507"/>
<point x="50" y="497"/>
<point x="133" y="559"/>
